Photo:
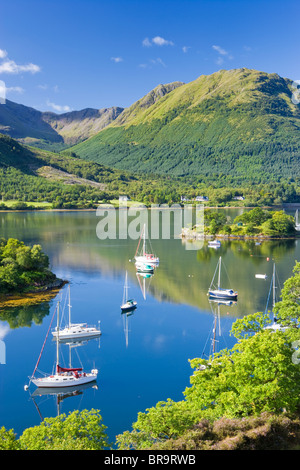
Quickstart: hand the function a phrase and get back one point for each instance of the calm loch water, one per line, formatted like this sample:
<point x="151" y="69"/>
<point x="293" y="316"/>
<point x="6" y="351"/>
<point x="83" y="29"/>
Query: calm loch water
<point x="142" y="358"/>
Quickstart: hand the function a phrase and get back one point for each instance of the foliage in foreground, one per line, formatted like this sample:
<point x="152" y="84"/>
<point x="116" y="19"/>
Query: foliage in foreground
<point x="260" y="374"/>
<point x="243" y="398"/>
<point x="22" y="266"/>
<point x="80" y="430"/>
<point x="264" y="432"/>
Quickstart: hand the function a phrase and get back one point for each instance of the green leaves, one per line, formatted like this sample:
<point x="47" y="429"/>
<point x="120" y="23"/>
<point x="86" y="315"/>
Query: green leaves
<point x="258" y="375"/>
<point x="80" y="430"/>
<point x="22" y="266"/>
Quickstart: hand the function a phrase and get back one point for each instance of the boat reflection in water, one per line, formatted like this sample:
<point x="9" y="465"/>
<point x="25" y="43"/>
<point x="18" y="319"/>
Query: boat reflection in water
<point x="61" y="393"/>
<point x="144" y="280"/>
<point x="63" y="376"/>
<point x="75" y="331"/>
<point x="216" y="332"/>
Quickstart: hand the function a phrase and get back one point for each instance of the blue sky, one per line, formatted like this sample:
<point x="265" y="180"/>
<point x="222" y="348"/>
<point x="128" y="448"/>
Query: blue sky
<point x="72" y="54"/>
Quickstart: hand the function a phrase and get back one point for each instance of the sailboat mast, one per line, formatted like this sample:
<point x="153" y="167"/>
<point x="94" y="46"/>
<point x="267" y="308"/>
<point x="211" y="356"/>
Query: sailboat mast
<point x="274" y="287"/>
<point x="57" y="338"/>
<point x="125" y="295"/>
<point x="219" y="277"/>
<point x="144" y="245"/>
<point x="69" y="307"/>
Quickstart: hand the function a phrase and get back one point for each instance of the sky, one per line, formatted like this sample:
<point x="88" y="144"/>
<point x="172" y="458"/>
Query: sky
<point x="72" y="54"/>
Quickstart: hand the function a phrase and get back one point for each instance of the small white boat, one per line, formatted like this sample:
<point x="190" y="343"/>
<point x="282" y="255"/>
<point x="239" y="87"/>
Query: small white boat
<point x="143" y="257"/>
<point x="127" y="304"/>
<point x="63" y="377"/>
<point x="218" y="292"/>
<point x="75" y="331"/>
<point x="261" y="276"/>
<point x="214" y="244"/>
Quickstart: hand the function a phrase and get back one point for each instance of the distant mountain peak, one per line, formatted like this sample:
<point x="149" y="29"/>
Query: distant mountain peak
<point x="51" y="130"/>
<point x="240" y="122"/>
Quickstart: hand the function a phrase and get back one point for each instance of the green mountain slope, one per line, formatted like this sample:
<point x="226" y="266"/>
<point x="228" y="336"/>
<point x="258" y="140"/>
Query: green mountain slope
<point x="37" y="175"/>
<point x="31" y="174"/>
<point x="50" y="130"/>
<point x="239" y="122"/>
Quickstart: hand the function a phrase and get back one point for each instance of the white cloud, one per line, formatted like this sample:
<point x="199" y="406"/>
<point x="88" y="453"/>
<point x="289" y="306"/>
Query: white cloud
<point x="3" y="53"/>
<point x="58" y="107"/>
<point x="116" y="59"/>
<point x="186" y="48"/>
<point x="159" y="41"/>
<point x="223" y="53"/>
<point x="4" y="330"/>
<point x="146" y="42"/>
<point x="16" y="89"/>
<point x="158" y="61"/>
<point x="152" y="62"/>
<point x="220" y="50"/>
<point x="43" y="87"/>
<point x="10" y="66"/>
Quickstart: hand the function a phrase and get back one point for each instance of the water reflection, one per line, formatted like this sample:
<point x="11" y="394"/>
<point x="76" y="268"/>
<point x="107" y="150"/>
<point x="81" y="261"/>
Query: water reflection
<point x="71" y="391"/>
<point x="24" y="315"/>
<point x="173" y="322"/>
<point x="144" y="280"/>
<point x="60" y="395"/>
<point x="216" y="341"/>
<point x="126" y="318"/>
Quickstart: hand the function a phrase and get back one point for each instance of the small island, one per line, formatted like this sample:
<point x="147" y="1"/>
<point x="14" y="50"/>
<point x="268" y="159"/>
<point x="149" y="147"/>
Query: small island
<point x="256" y="223"/>
<point x="24" y="269"/>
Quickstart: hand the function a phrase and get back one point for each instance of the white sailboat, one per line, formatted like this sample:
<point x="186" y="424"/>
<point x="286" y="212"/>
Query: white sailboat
<point x="75" y="331"/>
<point x="275" y="325"/>
<point x="63" y="377"/>
<point x="218" y="292"/>
<point x="297" y="225"/>
<point x="143" y="257"/>
<point x="127" y="304"/>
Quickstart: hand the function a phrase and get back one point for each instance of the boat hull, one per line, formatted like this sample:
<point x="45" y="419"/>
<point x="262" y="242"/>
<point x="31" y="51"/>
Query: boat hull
<point x="76" y="332"/>
<point x="153" y="261"/>
<point x="75" y="336"/>
<point x="63" y="381"/>
<point x="128" y="307"/>
<point x="225" y="295"/>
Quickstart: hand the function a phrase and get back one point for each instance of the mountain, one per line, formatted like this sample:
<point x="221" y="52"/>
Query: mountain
<point x="239" y="122"/>
<point x="50" y="130"/>
<point x="38" y="175"/>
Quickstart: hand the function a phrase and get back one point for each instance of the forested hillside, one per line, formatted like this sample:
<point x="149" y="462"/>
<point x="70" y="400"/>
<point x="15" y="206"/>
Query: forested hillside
<point x="238" y="123"/>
